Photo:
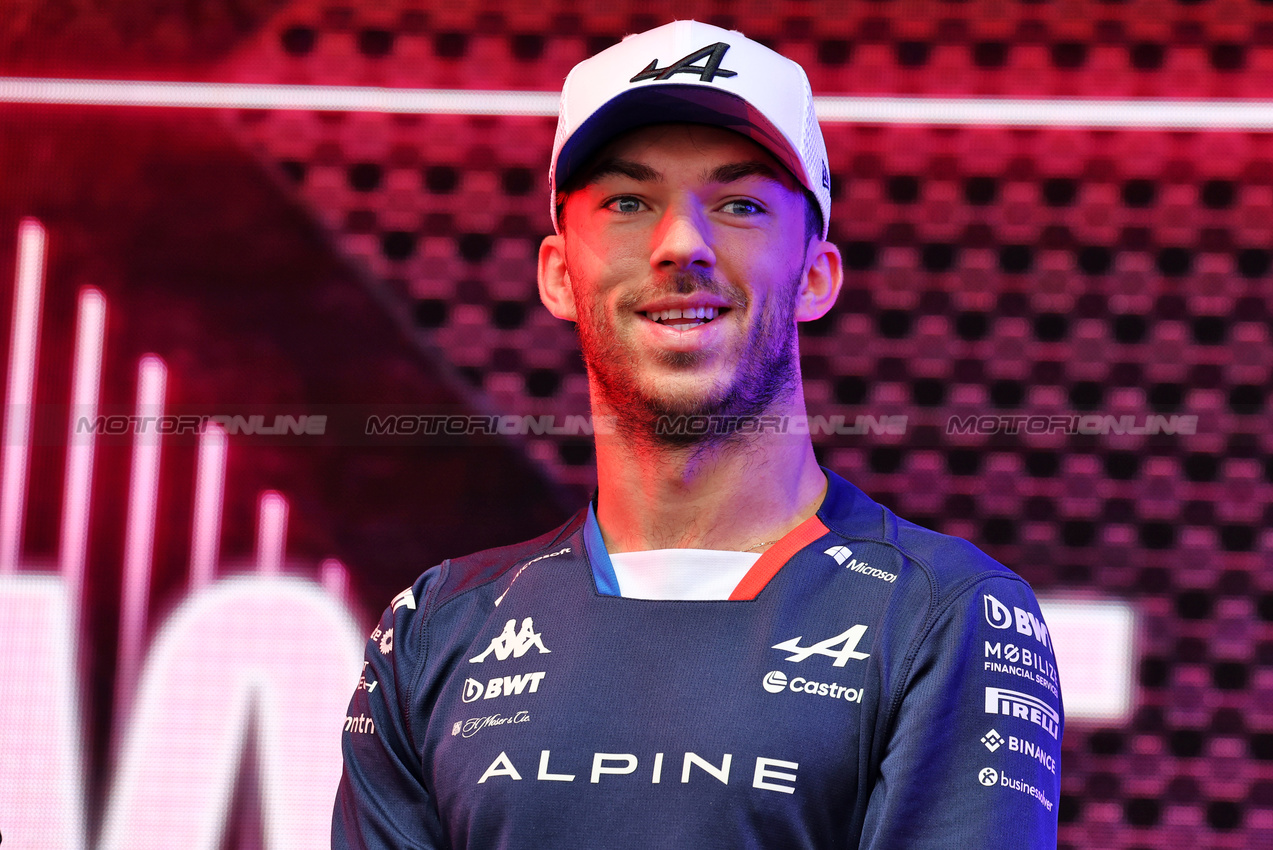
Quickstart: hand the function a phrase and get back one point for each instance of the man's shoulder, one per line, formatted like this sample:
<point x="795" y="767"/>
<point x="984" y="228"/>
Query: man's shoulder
<point x="946" y="561"/>
<point x="463" y="574"/>
<point x="951" y="560"/>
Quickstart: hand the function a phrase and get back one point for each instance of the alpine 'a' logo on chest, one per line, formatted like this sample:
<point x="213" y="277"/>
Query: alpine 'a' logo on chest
<point x="842" y="648"/>
<point x="713" y="53"/>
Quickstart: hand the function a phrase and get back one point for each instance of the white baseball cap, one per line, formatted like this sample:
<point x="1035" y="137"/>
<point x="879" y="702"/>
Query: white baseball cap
<point x="688" y="72"/>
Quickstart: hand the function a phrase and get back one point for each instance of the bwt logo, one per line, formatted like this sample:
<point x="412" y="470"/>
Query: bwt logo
<point x="502" y="686"/>
<point x="1000" y="617"/>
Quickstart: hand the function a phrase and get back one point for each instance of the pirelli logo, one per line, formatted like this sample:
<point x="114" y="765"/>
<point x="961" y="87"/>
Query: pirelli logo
<point x="1025" y="707"/>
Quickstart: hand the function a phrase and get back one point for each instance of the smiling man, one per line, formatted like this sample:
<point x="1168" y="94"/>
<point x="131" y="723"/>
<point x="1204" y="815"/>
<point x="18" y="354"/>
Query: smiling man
<point x="730" y="646"/>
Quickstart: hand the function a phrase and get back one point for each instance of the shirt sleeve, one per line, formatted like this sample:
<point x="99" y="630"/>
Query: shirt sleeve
<point x="382" y="801"/>
<point x="973" y="757"/>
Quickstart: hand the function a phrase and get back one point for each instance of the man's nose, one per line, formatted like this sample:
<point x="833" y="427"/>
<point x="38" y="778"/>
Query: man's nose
<point x="682" y="242"/>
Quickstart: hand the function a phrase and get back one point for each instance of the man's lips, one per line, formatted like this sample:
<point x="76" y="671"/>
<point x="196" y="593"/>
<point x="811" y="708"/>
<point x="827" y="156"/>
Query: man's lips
<point x="683" y="318"/>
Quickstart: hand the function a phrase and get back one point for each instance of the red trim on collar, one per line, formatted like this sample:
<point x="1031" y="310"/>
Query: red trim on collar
<point x="767" y="566"/>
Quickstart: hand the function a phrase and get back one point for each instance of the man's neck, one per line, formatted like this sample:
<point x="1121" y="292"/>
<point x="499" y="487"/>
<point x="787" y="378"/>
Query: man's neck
<point x="739" y="494"/>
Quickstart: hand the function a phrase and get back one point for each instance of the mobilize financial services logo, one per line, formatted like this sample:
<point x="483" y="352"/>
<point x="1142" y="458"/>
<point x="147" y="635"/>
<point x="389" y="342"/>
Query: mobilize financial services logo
<point x="512" y="642"/>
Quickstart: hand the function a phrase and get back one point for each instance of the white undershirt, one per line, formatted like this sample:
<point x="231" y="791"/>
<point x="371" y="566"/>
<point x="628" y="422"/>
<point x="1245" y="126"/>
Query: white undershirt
<point x="681" y="573"/>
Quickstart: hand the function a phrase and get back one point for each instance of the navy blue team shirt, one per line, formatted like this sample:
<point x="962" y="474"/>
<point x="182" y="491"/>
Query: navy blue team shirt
<point x="870" y="684"/>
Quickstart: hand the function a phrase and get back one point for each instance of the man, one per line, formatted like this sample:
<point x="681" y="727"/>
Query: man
<point x="730" y="647"/>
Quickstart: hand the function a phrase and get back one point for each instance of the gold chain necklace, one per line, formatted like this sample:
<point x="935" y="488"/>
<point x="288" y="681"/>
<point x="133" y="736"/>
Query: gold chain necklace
<point x="761" y="545"/>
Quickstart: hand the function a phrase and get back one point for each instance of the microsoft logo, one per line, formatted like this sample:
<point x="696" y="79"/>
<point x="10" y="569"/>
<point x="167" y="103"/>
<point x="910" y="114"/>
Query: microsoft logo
<point x="840" y="553"/>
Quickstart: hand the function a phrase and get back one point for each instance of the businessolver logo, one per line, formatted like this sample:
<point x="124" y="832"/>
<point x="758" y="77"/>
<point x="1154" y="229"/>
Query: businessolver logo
<point x="514" y="643"/>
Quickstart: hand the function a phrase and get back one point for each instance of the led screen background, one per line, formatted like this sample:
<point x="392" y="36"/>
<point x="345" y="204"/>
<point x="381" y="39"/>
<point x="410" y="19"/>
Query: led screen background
<point x="344" y="264"/>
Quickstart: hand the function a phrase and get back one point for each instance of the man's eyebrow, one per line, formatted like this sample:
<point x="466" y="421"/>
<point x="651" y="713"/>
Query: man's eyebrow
<point x="623" y="168"/>
<point x="730" y="172"/>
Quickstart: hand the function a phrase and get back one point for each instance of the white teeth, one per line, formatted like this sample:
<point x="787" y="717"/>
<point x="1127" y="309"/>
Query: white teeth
<point x="705" y="314"/>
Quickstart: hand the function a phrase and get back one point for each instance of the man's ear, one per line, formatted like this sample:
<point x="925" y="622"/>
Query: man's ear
<point x="554" y="280"/>
<point x="820" y="286"/>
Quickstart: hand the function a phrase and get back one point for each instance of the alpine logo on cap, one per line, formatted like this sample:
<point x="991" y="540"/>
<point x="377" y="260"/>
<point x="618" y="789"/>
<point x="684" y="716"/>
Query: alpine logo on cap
<point x="714" y="53"/>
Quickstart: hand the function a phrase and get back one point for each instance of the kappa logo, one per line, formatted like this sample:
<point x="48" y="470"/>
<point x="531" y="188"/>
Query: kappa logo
<point x="511" y="642"/>
<point x="846" y="641"/>
<point x="713" y="53"/>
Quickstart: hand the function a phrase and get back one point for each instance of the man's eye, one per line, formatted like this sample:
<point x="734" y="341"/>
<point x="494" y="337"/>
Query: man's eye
<point x="625" y="204"/>
<point x="743" y="207"/>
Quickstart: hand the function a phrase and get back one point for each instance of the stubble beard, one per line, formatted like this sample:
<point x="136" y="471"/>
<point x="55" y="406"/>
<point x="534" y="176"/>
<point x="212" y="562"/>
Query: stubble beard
<point x="768" y="371"/>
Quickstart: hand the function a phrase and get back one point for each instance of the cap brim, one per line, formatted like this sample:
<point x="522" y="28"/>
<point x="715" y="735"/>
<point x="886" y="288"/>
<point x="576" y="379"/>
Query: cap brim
<point x="672" y="103"/>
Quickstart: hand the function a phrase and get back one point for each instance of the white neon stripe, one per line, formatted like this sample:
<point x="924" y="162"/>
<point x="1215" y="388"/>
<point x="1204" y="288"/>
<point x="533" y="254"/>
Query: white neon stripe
<point x="139" y="540"/>
<point x="271" y="533"/>
<point x="1009" y="112"/>
<point x="209" y="496"/>
<point x="334" y="578"/>
<point x="1050" y="112"/>
<point x="249" y="96"/>
<point x="15" y="442"/>
<point x="85" y="386"/>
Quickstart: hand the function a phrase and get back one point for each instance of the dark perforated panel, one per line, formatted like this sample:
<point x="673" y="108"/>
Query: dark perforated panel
<point x="993" y="274"/>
